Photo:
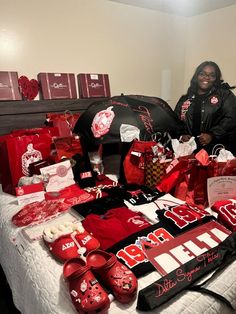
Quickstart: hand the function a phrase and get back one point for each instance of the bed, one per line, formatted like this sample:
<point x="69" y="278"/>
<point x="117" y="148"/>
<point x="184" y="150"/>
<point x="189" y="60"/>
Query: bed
<point x="38" y="287"/>
<point x="35" y="278"/>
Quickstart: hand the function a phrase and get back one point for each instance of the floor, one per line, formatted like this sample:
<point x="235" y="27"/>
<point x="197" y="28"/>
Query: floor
<point x="6" y="303"/>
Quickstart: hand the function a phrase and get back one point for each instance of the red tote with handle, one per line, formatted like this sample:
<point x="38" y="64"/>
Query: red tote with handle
<point x="65" y="122"/>
<point x="17" y="153"/>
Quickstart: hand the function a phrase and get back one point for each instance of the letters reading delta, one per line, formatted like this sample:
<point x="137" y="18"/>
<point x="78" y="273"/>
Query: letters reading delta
<point x="175" y="256"/>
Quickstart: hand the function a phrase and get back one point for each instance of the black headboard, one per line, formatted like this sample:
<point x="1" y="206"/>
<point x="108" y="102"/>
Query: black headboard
<point x="32" y="114"/>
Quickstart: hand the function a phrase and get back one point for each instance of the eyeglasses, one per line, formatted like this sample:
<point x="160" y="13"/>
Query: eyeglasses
<point x="210" y="75"/>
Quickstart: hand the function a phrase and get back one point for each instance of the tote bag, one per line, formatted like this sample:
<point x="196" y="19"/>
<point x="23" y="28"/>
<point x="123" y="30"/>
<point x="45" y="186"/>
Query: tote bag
<point x="17" y="153"/>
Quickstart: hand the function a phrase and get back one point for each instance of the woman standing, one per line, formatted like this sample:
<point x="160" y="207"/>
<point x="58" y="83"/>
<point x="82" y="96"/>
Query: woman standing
<point x="208" y="110"/>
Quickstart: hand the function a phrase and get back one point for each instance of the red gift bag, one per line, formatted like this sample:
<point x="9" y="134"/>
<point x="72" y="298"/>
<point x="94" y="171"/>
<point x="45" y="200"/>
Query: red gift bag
<point x="65" y="122"/>
<point x="67" y="147"/>
<point x="205" y="168"/>
<point x="229" y="168"/>
<point x="219" y="168"/>
<point x="197" y="185"/>
<point x="16" y="154"/>
<point x="134" y="162"/>
<point x="176" y="177"/>
<point x="3" y="138"/>
<point x="191" y="186"/>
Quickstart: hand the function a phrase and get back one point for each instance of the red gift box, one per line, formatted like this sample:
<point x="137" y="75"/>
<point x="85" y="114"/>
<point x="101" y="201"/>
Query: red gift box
<point x="93" y="85"/>
<point x="9" y="88"/>
<point x="57" y="85"/>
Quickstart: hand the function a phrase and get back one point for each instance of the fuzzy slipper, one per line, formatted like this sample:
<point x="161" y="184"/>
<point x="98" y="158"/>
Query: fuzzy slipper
<point x="86" y="293"/>
<point x="69" y="240"/>
<point x="113" y="274"/>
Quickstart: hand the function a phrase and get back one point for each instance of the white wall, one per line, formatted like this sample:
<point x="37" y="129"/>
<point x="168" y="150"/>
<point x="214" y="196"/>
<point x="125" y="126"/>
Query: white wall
<point x="142" y="50"/>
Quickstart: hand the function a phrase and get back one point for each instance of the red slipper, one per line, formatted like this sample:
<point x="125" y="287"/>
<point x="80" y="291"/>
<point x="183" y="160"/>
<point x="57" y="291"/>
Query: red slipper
<point x="86" y="293"/>
<point x="113" y="274"/>
<point x="69" y="240"/>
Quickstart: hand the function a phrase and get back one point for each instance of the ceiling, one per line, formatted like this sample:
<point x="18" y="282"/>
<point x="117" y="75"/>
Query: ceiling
<point x="185" y="8"/>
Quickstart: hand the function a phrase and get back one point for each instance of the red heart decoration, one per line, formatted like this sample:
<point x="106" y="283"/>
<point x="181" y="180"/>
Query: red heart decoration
<point x="28" y="88"/>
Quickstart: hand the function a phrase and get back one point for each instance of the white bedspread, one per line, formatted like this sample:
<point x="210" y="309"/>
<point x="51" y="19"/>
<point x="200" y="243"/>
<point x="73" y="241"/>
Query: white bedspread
<point x="38" y="286"/>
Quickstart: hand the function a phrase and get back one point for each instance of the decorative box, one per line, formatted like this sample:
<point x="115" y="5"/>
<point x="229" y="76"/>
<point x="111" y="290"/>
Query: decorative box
<point x="34" y="167"/>
<point x="57" y="85"/>
<point x="9" y="88"/>
<point x="93" y="85"/>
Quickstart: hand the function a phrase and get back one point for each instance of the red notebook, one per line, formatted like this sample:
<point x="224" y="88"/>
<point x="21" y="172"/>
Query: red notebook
<point x="93" y="85"/>
<point x="57" y="85"/>
<point x="9" y="88"/>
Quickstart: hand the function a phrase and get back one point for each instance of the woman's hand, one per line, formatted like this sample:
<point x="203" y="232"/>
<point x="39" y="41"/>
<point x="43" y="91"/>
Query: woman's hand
<point x="185" y="138"/>
<point x="205" y="138"/>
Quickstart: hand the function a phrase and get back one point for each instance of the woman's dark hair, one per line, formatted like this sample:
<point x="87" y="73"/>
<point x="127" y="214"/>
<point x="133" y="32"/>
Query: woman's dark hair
<point x="193" y="83"/>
